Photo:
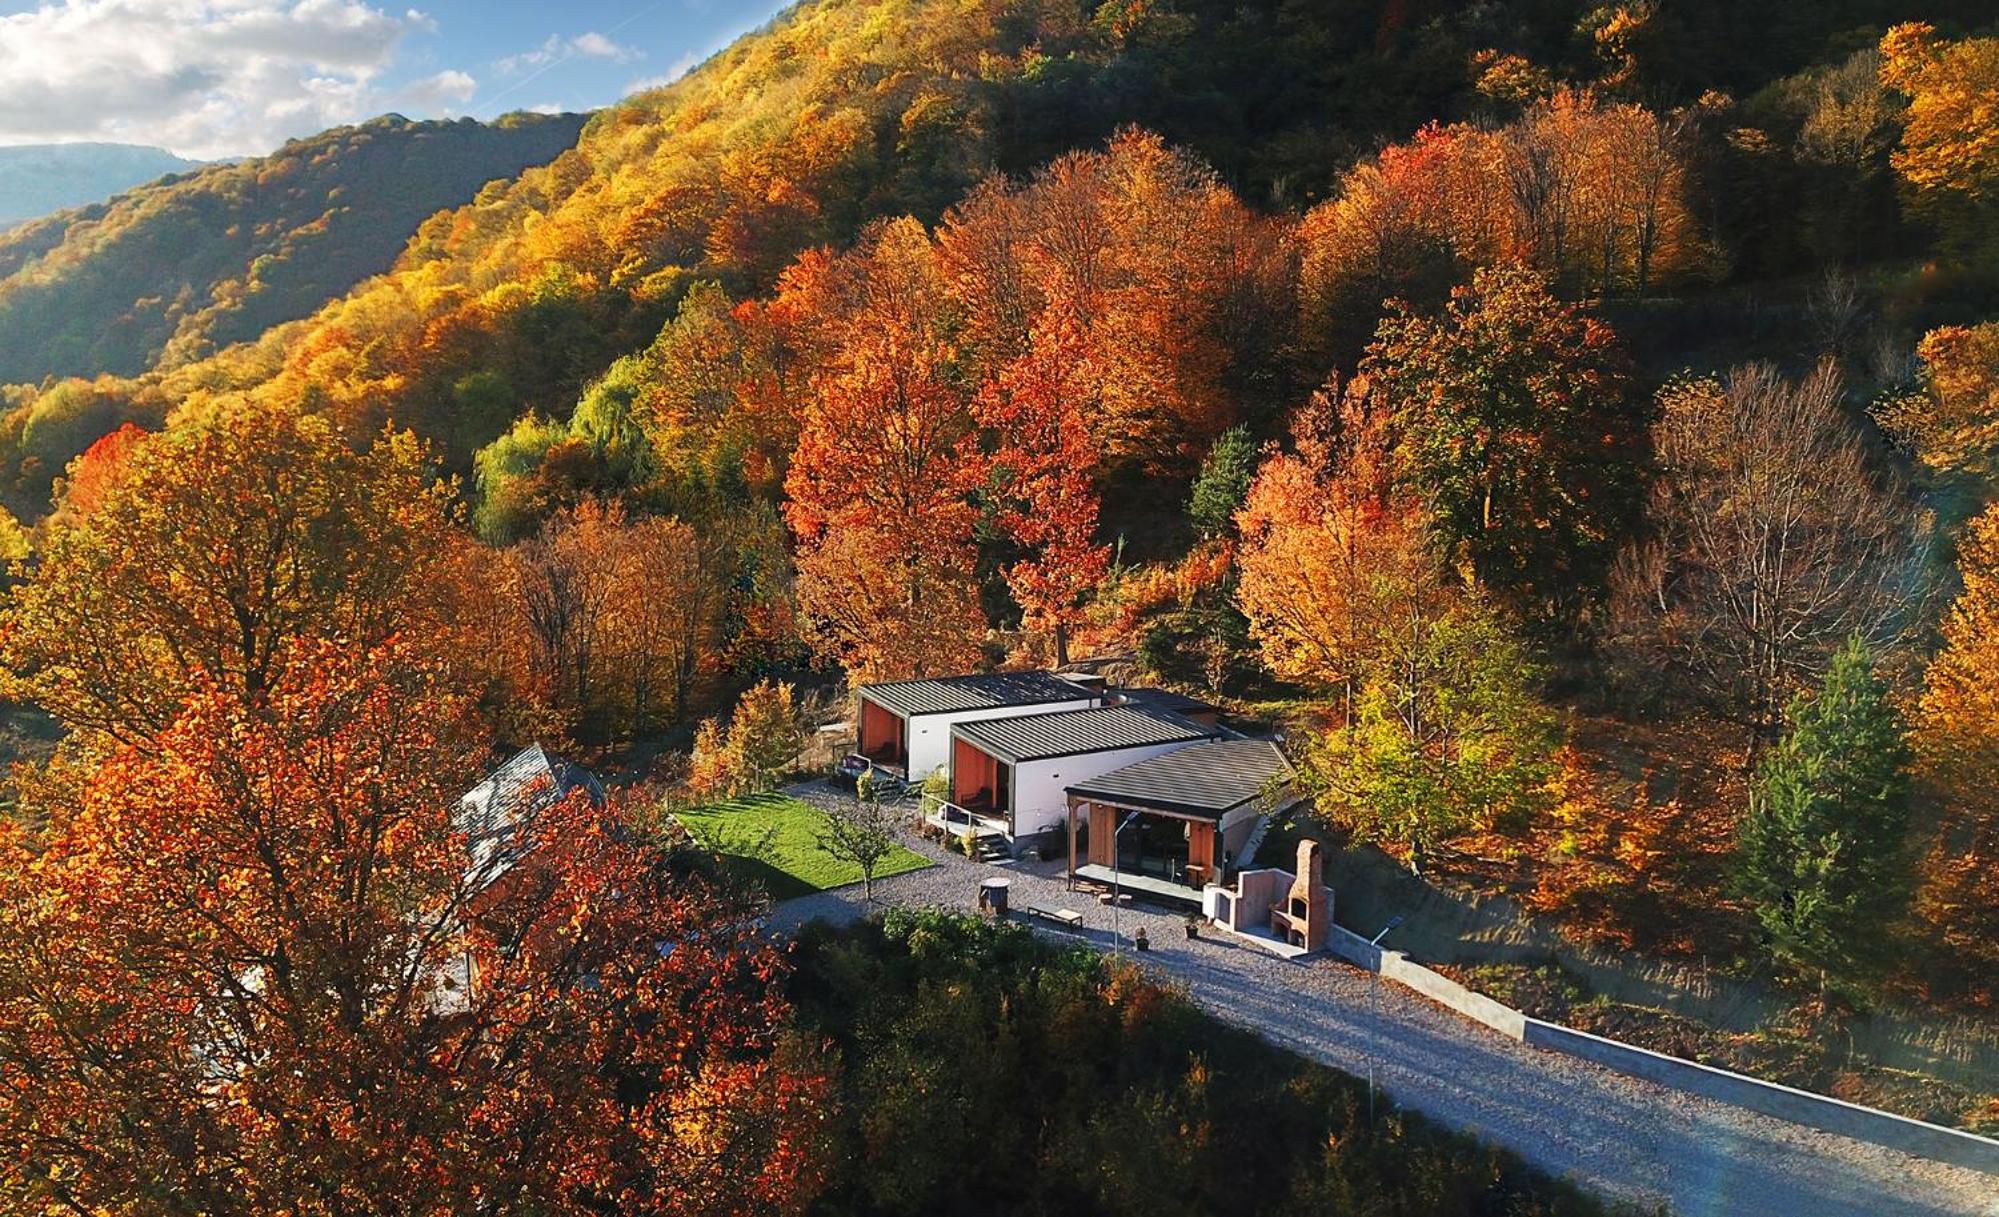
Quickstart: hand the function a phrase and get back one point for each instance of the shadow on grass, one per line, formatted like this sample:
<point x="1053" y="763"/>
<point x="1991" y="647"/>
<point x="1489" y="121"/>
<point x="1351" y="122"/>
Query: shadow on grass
<point x="781" y="885"/>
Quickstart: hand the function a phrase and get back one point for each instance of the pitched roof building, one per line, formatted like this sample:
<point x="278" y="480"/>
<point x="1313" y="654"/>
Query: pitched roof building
<point x="491" y="813"/>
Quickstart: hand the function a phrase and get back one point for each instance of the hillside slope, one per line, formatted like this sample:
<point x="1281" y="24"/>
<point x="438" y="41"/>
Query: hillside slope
<point x="842" y="112"/>
<point x="176" y="269"/>
<point x="36" y="179"/>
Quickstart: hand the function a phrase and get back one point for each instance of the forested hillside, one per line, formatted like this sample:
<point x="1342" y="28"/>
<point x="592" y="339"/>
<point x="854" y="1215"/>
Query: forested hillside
<point x="846" y="111"/>
<point x="1576" y="425"/>
<point x="36" y="179"/>
<point x="171" y="272"/>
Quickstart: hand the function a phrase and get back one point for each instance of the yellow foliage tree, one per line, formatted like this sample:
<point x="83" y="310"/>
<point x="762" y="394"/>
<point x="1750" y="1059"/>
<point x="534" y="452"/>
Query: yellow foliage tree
<point x="1330" y="553"/>
<point x="1952" y="421"/>
<point x="216" y="552"/>
<point x="1957" y="744"/>
<point x="1950" y="140"/>
<point x="762" y="741"/>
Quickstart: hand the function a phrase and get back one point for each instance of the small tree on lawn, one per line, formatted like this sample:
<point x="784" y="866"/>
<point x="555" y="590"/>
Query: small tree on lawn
<point x="861" y="832"/>
<point x="765" y="735"/>
<point x="709" y="772"/>
<point x="763" y="739"/>
<point x="1822" y="852"/>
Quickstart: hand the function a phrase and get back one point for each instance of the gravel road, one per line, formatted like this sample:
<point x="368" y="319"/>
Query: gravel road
<point x="1619" y="1135"/>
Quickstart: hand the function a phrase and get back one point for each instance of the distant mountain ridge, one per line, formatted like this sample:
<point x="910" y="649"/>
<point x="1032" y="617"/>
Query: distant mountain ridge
<point x="36" y="179"/>
<point x="170" y="271"/>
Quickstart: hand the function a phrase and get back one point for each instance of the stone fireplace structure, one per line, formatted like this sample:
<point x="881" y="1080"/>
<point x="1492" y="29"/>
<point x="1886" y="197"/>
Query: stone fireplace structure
<point x="1303" y="916"/>
<point x="1288" y="913"/>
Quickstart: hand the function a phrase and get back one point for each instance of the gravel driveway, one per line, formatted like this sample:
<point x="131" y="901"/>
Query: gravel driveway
<point x="1619" y="1135"/>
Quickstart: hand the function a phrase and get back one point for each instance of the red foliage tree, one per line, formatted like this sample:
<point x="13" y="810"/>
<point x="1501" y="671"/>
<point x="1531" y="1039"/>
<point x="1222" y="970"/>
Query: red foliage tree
<point x="102" y="465"/>
<point x="1042" y="467"/>
<point x="261" y="968"/>
<point x="879" y="485"/>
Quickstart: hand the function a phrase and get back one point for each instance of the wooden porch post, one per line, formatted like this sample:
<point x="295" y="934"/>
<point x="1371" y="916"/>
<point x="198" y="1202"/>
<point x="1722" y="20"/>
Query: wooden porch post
<point x="1072" y="843"/>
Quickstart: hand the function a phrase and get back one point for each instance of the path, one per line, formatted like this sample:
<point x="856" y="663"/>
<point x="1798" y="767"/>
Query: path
<point x="1619" y="1135"/>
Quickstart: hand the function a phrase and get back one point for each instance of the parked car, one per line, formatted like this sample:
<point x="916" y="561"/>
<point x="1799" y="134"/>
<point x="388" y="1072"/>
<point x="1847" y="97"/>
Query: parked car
<point x="847" y="774"/>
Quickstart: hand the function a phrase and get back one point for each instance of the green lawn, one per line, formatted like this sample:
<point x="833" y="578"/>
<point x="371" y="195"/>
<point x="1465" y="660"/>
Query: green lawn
<point x="775" y="839"/>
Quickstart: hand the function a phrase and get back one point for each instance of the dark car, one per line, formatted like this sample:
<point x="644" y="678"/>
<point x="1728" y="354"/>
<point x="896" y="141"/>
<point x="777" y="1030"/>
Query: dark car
<point x="847" y="776"/>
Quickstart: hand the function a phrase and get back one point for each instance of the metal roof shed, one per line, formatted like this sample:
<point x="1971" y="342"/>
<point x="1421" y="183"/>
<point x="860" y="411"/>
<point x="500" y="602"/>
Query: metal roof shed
<point x="1018" y="768"/>
<point x="906" y="724"/>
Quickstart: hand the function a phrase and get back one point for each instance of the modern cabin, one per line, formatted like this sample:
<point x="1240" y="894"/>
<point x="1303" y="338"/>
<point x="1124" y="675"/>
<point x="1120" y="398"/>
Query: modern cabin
<point x="1175" y="822"/>
<point x="1011" y="774"/>
<point x="905" y="726"/>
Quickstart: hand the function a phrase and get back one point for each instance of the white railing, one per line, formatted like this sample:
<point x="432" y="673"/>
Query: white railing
<point x="956" y="820"/>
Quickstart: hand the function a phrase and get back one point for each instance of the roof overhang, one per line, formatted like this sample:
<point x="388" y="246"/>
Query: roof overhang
<point x="1289" y="797"/>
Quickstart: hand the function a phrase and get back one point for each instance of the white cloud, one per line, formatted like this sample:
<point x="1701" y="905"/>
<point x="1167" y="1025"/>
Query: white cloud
<point x="205" y="78"/>
<point x="444" y="91"/>
<point x="556" y="49"/>
<point x="597" y="46"/>
<point x="674" y="71"/>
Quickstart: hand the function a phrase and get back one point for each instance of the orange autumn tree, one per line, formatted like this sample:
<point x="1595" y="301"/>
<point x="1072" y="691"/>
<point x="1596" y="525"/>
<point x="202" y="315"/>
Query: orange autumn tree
<point x="1951" y="421"/>
<point x="1042" y="482"/>
<point x="1957" y="744"/>
<point x="216" y="548"/>
<point x="878" y="491"/>
<point x="261" y="970"/>
<point x="615" y="623"/>
<point x="1439" y="731"/>
<point x="92" y="476"/>
<point x="1172" y="287"/>
<point x="1330" y="549"/>
<point x="1597" y="196"/>
<point x="1610" y="858"/>
<point x="1947" y="155"/>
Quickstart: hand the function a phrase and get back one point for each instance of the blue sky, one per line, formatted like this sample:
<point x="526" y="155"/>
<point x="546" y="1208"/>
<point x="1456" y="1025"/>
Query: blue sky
<point x="214" y="78"/>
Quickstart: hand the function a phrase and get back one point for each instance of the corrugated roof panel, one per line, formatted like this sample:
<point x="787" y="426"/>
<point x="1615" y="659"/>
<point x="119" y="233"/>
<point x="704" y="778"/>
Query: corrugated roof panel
<point x="1031" y="737"/>
<point x="490" y="813"/>
<point x="980" y="691"/>
<point x="1205" y="779"/>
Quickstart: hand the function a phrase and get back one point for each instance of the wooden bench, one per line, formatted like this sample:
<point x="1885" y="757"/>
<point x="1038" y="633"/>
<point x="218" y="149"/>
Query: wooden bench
<point x="1068" y="918"/>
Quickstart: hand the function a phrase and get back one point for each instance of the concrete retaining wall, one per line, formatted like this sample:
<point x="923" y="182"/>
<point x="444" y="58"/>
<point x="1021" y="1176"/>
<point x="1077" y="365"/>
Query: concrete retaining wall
<point x="1783" y="1102"/>
<point x="1351" y="947"/>
<point x="1395" y="966"/>
<point x="1449" y="993"/>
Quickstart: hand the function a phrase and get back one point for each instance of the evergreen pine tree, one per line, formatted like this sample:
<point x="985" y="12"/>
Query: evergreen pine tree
<point x="1223" y="482"/>
<point x="1822" y="849"/>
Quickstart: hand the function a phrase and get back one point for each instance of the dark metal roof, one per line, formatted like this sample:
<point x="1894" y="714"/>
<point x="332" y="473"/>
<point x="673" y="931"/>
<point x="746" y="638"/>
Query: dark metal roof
<point x="1164" y="699"/>
<point x="983" y="691"/>
<point x="1035" y="737"/>
<point x="1206" y="779"/>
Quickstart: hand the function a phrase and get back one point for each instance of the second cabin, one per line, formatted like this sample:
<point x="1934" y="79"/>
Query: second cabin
<point x="1010" y="775"/>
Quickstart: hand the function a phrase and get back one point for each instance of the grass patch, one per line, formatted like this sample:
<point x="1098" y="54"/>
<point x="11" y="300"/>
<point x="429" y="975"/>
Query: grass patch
<point x="774" y="840"/>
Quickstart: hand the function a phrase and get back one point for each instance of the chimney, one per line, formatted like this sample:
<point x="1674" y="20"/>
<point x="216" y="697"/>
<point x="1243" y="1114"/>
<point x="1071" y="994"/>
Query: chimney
<point x="1305" y="906"/>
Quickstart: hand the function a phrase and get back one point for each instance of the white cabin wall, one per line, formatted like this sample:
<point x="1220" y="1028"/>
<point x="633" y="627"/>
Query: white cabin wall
<point x="1040" y="801"/>
<point x="929" y="735"/>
